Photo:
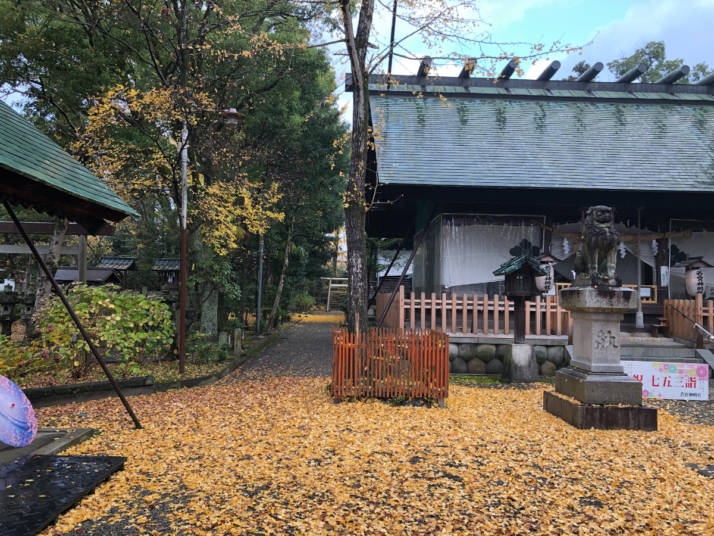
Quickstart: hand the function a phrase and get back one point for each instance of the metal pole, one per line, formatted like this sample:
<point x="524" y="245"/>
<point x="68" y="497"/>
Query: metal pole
<point x="183" y="276"/>
<point x="260" y="285"/>
<point x="391" y="45"/>
<point x="72" y="314"/>
<point x="639" y="317"/>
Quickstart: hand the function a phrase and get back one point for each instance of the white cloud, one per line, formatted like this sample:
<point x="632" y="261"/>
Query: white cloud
<point x="536" y="68"/>
<point x="686" y="30"/>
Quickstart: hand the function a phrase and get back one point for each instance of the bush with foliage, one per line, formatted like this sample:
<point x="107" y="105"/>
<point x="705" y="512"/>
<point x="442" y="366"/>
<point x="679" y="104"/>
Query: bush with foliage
<point x="124" y="324"/>
<point x="15" y="359"/>
<point x="303" y="302"/>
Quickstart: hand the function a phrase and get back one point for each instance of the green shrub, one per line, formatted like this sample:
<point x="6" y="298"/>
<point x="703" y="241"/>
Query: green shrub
<point x="200" y="350"/>
<point x="15" y="359"/>
<point x="125" y="324"/>
<point x="303" y="302"/>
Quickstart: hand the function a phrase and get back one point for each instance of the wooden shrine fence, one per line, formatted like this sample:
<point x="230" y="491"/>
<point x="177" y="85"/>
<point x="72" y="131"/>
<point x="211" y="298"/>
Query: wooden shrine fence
<point x="473" y="314"/>
<point x="681" y="314"/>
<point x="387" y="363"/>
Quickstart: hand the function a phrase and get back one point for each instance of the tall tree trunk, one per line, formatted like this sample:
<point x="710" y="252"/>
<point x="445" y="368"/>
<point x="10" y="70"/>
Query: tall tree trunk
<point x="281" y="282"/>
<point x="355" y="204"/>
<point x="52" y="260"/>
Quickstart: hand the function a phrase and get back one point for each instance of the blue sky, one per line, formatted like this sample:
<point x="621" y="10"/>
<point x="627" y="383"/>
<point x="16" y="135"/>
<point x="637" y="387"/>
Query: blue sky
<point x="615" y="27"/>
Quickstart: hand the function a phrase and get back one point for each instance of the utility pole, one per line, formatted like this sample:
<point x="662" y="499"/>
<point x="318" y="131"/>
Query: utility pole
<point x="183" y="275"/>
<point x="259" y="311"/>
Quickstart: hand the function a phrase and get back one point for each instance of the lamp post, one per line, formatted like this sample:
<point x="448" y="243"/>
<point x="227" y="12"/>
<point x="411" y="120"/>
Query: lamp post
<point x="231" y="117"/>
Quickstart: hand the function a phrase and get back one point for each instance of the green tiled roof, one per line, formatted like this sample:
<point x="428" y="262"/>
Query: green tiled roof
<point x="117" y="263"/>
<point x="27" y="152"/>
<point x="484" y="141"/>
<point x="516" y="263"/>
<point x="167" y="265"/>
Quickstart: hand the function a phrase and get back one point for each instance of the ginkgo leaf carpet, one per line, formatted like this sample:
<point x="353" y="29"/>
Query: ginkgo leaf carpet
<point x="278" y="456"/>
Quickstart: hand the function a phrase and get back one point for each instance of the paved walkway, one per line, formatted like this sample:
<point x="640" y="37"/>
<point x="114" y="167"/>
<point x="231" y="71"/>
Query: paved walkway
<point x="304" y="349"/>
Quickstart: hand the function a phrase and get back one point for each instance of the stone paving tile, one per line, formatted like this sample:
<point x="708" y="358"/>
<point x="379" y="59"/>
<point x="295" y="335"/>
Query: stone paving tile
<point x="304" y="349"/>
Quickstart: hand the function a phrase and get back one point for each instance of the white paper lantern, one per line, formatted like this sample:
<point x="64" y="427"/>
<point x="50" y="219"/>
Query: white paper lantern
<point x="545" y="282"/>
<point x="694" y="278"/>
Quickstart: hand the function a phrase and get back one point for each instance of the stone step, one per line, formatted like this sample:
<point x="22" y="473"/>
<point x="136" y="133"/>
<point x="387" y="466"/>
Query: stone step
<point x="657" y="353"/>
<point x="660" y="342"/>
<point x="662" y="359"/>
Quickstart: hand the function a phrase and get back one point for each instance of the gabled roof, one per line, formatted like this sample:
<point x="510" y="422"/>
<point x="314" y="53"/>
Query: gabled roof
<point x="117" y="263"/>
<point x="167" y="265"/>
<point x="94" y="275"/>
<point x="547" y="135"/>
<point x="37" y="172"/>
<point x="516" y="263"/>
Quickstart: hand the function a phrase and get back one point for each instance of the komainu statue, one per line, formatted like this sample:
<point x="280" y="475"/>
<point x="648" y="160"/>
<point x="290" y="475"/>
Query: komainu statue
<point x="596" y="258"/>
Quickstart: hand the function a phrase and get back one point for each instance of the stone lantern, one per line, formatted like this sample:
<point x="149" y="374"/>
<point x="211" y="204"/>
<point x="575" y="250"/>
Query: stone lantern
<point x="520" y="278"/>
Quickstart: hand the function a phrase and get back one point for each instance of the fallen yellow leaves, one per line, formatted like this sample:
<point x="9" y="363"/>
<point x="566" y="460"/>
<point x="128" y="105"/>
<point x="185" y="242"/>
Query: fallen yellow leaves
<point x="279" y="457"/>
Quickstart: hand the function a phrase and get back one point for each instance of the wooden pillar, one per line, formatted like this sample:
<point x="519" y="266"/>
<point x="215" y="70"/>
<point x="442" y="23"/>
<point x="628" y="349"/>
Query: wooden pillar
<point x="82" y="259"/>
<point x="519" y="317"/>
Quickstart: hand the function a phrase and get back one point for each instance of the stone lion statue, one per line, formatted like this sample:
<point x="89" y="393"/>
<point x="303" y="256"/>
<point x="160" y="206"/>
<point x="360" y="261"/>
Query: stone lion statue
<point x="596" y="258"/>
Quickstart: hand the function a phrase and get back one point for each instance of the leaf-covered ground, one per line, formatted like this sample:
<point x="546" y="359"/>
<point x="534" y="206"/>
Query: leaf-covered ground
<point x="269" y="455"/>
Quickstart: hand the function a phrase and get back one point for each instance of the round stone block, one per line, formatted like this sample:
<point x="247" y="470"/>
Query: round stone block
<point x="503" y="351"/>
<point x="467" y="351"/>
<point x="555" y="355"/>
<point x="486" y="352"/>
<point x="476" y="366"/>
<point x="453" y="350"/>
<point x="540" y="353"/>
<point x="458" y="366"/>
<point x="495" y="366"/>
<point x="548" y="369"/>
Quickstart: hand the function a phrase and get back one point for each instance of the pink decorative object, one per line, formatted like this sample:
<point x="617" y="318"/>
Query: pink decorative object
<point x="18" y="425"/>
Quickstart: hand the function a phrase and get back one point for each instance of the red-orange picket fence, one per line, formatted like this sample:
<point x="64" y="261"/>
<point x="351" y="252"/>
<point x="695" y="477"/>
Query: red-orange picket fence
<point x="388" y="363"/>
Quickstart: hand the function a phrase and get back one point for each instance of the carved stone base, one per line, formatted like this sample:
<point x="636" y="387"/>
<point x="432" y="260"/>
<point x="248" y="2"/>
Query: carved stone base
<point x="600" y="417"/>
<point x="591" y="388"/>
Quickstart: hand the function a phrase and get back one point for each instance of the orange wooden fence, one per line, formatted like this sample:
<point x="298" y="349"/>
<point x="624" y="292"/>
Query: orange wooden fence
<point x="388" y="363"/>
<point x="473" y="314"/>
<point x="696" y="310"/>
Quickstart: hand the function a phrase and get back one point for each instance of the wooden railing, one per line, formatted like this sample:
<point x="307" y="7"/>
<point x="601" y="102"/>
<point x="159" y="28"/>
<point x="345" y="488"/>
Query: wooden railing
<point x="387" y="363"/>
<point x="474" y="314"/>
<point x="681" y="315"/>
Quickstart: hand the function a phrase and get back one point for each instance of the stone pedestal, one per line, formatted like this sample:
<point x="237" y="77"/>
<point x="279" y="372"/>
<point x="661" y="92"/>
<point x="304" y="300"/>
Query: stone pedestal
<point x="521" y="365"/>
<point x="595" y="375"/>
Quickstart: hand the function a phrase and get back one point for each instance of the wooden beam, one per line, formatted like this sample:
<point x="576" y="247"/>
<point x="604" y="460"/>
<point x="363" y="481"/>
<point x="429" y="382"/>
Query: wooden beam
<point x="671" y="78"/>
<point x="549" y="71"/>
<point x="18" y="249"/>
<point x="468" y="69"/>
<point x="424" y="67"/>
<point x="591" y="73"/>
<point x="508" y="70"/>
<point x="632" y="74"/>
<point x="47" y="227"/>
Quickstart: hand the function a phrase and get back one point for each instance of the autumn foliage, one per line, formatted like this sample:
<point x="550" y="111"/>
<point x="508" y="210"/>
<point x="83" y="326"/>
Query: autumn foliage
<point x="277" y="456"/>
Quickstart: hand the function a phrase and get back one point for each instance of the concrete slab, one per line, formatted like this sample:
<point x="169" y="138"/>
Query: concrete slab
<point x="590" y="388"/>
<point x="47" y="441"/>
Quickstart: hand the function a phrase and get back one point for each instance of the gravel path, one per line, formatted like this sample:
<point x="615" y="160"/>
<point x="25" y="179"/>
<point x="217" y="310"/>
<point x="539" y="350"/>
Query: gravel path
<point x="304" y="349"/>
<point x="689" y="411"/>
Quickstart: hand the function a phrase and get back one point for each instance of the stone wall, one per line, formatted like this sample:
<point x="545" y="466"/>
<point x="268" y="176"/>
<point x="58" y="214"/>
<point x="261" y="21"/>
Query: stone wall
<point x="482" y="358"/>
